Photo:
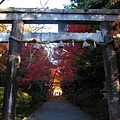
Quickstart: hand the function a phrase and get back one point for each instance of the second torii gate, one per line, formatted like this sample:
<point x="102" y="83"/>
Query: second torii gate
<point x="20" y="16"/>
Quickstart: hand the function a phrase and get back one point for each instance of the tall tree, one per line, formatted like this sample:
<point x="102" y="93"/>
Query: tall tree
<point x="94" y="4"/>
<point x="2" y="1"/>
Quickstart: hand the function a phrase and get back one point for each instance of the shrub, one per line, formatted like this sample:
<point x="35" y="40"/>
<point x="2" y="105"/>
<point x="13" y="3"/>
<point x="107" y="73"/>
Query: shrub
<point x="1" y="99"/>
<point x="89" y="97"/>
<point x="103" y="113"/>
<point x="37" y="97"/>
<point x="23" y="101"/>
<point x="1" y="95"/>
<point x="76" y="96"/>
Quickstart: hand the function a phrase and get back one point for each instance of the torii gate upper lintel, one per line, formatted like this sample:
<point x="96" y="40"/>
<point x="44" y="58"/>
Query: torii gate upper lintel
<point x="46" y="15"/>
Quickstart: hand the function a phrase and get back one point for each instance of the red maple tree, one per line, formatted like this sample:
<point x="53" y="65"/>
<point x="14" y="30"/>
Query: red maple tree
<point x="65" y="58"/>
<point x="35" y="63"/>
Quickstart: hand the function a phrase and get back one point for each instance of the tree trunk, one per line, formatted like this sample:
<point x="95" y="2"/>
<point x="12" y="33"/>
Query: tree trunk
<point x="111" y="73"/>
<point x="12" y="75"/>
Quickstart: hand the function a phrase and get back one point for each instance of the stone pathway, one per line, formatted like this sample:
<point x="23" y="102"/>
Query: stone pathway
<point x="58" y="109"/>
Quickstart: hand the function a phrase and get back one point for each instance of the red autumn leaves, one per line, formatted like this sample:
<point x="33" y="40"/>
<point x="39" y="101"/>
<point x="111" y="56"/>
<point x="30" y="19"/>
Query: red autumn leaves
<point x="78" y="28"/>
<point x="35" y="64"/>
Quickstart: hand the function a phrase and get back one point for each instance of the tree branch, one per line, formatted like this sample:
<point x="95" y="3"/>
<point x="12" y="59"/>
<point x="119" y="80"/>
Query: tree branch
<point x="2" y="1"/>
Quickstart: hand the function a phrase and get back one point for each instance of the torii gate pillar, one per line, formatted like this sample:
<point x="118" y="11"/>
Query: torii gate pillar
<point x="13" y="66"/>
<point x="111" y="73"/>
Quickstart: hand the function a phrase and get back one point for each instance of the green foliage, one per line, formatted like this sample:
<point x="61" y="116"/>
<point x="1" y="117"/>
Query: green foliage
<point x="99" y="110"/>
<point x="91" y="73"/>
<point x="1" y="99"/>
<point x="90" y="100"/>
<point x="92" y="4"/>
<point x="38" y="90"/>
<point x="1" y="94"/>
<point x="37" y="97"/>
<point x="68" y="89"/>
<point x="89" y="97"/>
<point x="23" y="101"/>
<point x="102" y="108"/>
<point x="84" y="91"/>
<point x="2" y="77"/>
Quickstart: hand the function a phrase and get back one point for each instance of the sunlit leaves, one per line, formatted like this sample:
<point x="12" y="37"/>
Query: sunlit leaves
<point x="3" y="55"/>
<point x="27" y="27"/>
<point x="116" y="27"/>
<point x="3" y="27"/>
<point x="113" y="1"/>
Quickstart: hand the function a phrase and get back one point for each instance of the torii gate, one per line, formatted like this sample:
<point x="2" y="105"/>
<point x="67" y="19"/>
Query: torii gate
<point x="20" y="16"/>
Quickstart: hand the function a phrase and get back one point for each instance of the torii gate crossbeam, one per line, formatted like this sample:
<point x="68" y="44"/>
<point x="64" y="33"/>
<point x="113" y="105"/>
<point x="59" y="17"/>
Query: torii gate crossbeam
<point x="55" y="37"/>
<point x="54" y="16"/>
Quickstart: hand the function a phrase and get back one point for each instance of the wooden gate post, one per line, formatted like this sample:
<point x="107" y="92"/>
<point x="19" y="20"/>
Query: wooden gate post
<point x="111" y="72"/>
<point x="12" y="75"/>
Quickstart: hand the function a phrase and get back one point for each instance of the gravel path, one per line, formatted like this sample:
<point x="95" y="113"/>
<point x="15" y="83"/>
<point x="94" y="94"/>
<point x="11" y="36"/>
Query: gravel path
<point x="58" y="109"/>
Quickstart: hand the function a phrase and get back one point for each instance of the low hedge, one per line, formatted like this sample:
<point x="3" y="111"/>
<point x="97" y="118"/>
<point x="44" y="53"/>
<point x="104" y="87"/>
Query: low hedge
<point x="23" y="101"/>
<point x="1" y="99"/>
<point x="89" y="97"/>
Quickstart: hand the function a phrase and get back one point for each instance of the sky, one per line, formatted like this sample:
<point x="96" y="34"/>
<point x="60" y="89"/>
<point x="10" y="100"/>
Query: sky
<point x="35" y="3"/>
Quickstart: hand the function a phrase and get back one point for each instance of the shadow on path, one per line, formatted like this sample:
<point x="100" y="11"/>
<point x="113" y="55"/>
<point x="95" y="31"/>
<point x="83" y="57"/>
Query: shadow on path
<point x="58" y="109"/>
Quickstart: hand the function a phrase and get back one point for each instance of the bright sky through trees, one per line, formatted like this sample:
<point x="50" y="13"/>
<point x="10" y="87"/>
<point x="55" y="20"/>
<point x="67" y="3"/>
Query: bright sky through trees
<point x="35" y="3"/>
